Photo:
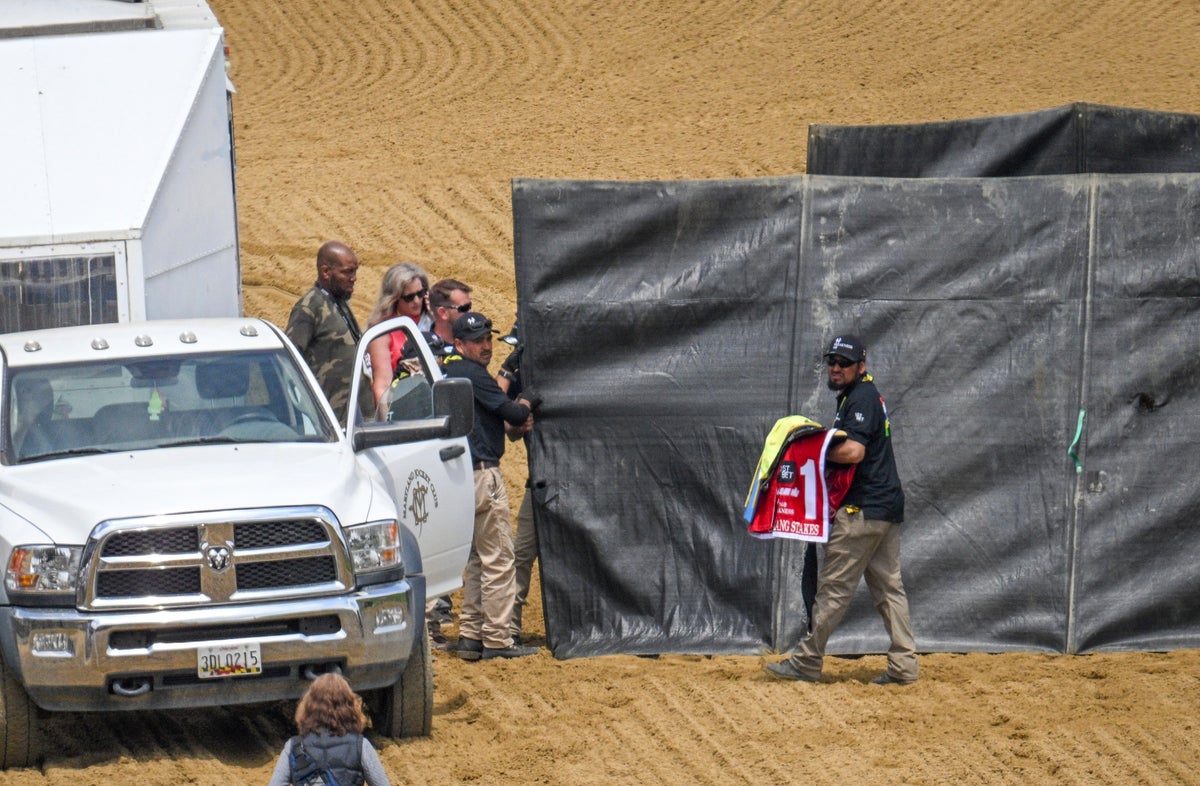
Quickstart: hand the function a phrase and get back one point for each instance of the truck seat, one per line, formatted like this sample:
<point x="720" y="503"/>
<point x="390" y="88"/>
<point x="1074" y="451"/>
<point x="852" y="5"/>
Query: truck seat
<point x="223" y="378"/>
<point x="119" y="423"/>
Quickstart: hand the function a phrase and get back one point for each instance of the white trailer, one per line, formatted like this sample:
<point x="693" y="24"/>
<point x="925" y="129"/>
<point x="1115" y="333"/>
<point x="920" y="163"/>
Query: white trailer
<point x="117" y="165"/>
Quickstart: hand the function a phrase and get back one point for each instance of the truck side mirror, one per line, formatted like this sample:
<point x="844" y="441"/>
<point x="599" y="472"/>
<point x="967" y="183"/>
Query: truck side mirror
<point x="454" y="398"/>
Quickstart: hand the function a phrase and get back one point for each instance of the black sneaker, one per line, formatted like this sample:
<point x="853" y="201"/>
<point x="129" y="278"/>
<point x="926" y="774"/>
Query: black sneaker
<point x="508" y="652"/>
<point x="469" y="649"/>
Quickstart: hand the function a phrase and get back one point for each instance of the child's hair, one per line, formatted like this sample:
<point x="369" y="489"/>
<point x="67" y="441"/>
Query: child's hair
<point x="332" y="705"/>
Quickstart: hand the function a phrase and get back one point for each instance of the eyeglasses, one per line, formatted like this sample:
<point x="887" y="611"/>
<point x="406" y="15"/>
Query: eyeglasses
<point x="839" y="362"/>
<point x="464" y="308"/>
<point x="411" y="296"/>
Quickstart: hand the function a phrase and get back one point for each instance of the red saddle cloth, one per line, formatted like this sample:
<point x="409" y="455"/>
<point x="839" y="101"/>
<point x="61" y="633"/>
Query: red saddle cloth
<point x="803" y="491"/>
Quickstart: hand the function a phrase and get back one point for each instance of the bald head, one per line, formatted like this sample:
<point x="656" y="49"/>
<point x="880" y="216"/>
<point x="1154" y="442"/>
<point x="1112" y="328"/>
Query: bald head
<point x="337" y="269"/>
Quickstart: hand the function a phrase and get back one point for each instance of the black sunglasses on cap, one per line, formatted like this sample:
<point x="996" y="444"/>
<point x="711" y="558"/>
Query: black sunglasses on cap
<point x="839" y="361"/>
<point x="413" y="295"/>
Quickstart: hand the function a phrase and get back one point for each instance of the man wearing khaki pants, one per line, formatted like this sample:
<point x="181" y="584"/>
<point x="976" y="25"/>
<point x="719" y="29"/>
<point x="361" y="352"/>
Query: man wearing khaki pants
<point x="489" y="584"/>
<point x="864" y="538"/>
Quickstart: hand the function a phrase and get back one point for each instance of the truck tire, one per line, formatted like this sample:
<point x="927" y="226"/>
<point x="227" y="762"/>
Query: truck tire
<point x="405" y="709"/>
<point x="17" y="721"/>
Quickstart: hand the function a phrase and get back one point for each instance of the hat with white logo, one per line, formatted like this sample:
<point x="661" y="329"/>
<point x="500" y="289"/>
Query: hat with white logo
<point x="472" y="326"/>
<point x="848" y="346"/>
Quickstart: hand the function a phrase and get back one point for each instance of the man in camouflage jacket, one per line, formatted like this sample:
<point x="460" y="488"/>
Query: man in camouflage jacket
<point x="324" y="329"/>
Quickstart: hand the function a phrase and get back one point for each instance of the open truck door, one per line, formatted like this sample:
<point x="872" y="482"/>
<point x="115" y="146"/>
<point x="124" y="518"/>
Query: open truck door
<point x="416" y="437"/>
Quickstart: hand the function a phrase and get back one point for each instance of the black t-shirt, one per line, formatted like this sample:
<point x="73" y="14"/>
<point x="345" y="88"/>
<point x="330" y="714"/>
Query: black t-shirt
<point x="492" y="409"/>
<point x="876" y="486"/>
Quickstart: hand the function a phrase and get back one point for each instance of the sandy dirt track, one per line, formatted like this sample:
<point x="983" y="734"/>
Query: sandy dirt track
<point x="397" y="126"/>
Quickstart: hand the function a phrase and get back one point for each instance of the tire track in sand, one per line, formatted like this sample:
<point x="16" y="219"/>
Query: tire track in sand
<point x="223" y="742"/>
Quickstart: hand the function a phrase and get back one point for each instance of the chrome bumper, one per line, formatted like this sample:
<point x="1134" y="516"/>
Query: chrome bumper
<point x="73" y="661"/>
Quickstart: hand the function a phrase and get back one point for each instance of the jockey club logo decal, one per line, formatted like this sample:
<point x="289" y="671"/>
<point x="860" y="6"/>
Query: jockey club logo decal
<point x="420" y="496"/>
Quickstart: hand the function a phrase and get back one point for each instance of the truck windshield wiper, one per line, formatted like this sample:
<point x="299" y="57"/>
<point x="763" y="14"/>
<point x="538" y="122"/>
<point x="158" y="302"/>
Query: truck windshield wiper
<point x="64" y="453"/>
<point x="213" y="440"/>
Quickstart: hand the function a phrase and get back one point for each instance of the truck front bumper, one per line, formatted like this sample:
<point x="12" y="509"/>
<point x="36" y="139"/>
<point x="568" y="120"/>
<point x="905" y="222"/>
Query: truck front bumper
<point x="73" y="661"/>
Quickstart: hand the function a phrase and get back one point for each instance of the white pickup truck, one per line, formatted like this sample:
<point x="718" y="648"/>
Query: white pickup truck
<point x="183" y="523"/>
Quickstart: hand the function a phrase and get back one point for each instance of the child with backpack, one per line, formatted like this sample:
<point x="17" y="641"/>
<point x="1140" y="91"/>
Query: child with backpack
<point x="330" y="749"/>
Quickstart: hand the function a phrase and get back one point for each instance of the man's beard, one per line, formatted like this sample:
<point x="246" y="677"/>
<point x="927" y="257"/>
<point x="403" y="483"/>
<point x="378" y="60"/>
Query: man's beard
<point x="835" y="387"/>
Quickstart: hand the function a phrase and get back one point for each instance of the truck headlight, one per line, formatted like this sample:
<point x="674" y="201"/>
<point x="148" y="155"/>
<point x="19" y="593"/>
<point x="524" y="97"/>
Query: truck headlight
<point x="374" y="546"/>
<point x="43" y="569"/>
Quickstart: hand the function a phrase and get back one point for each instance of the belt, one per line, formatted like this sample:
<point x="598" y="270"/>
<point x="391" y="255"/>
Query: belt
<point x="486" y="464"/>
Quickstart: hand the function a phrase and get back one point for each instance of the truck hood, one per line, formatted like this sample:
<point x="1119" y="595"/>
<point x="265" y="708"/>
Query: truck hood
<point x="66" y="498"/>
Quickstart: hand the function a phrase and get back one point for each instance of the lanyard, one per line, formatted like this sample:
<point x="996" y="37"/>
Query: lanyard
<point x="343" y="308"/>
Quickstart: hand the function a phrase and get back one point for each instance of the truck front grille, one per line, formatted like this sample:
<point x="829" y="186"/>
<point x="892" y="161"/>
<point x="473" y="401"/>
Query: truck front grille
<point x="194" y="559"/>
<point x="177" y="540"/>
<point x="292" y="572"/>
<point x="263" y="535"/>
<point x="140" y="583"/>
<point x="145" y="638"/>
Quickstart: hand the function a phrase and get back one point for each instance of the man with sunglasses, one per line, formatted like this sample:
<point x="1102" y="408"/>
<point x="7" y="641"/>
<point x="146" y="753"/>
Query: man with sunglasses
<point x="449" y="299"/>
<point x="864" y="538"/>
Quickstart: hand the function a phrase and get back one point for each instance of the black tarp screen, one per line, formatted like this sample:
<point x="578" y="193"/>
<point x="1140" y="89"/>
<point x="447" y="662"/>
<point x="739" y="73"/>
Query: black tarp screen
<point x="1073" y="139"/>
<point x="668" y="325"/>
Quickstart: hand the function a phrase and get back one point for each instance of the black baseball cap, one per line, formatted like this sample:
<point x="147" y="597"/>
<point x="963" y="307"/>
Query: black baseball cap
<point x="472" y="326"/>
<point x="848" y="346"/>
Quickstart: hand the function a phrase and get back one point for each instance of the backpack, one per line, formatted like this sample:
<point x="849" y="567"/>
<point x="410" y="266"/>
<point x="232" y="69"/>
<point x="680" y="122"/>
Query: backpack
<point x="306" y="772"/>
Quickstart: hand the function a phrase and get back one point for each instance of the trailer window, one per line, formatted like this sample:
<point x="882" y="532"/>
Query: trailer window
<point x="57" y="292"/>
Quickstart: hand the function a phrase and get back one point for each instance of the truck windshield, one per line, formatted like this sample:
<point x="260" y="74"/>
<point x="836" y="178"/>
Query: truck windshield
<point x="119" y="405"/>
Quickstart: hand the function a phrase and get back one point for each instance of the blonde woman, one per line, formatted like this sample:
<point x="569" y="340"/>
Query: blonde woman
<point x="330" y="720"/>
<point x="404" y="292"/>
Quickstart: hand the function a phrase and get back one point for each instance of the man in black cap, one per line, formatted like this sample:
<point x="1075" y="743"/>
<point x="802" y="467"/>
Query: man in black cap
<point x="864" y="539"/>
<point x="489" y="584"/>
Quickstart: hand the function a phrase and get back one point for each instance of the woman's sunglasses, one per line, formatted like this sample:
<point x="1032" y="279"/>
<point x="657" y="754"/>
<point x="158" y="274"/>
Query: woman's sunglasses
<point x="414" y="295"/>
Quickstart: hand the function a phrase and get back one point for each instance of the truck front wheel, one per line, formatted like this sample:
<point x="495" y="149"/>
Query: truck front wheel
<point x="405" y="709"/>
<point x="17" y="721"/>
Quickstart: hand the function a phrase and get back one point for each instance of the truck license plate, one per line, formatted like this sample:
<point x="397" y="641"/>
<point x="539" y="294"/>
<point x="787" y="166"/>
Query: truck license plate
<point x="229" y="660"/>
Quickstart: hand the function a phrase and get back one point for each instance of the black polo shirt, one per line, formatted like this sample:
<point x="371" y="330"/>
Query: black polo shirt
<point x="876" y="487"/>
<point x="492" y="409"/>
